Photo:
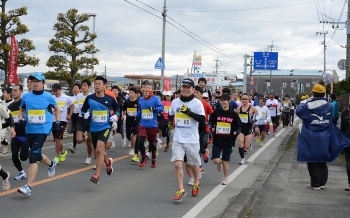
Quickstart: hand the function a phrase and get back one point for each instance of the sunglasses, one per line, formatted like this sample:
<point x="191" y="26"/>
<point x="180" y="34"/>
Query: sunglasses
<point x="244" y="98"/>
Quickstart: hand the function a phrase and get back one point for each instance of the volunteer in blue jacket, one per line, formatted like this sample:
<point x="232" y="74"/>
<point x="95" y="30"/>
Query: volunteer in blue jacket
<point x="104" y="110"/>
<point x="148" y="108"/>
<point x="37" y="107"/>
<point x="335" y="111"/>
<point x="319" y="140"/>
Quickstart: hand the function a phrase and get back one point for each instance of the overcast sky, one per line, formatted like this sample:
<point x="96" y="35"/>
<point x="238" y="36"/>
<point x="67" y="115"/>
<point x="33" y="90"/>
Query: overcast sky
<point x="130" y="39"/>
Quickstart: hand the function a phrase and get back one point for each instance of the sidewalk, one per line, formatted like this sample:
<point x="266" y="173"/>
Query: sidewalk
<point x="285" y="195"/>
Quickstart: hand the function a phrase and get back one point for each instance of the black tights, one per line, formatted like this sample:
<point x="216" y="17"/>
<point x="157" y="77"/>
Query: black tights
<point x="74" y="139"/>
<point x="241" y="152"/>
<point x="137" y="146"/>
<point x="16" y="145"/>
<point x="152" y="147"/>
<point x="3" y="174"/>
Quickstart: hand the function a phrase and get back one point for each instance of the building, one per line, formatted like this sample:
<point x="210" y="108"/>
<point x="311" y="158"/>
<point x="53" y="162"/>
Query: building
<point x="291" y="82"/>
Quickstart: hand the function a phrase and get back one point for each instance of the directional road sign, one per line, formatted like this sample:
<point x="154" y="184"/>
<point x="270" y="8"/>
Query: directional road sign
<point x="159" y="64"/>
<point x="265" y="60"/>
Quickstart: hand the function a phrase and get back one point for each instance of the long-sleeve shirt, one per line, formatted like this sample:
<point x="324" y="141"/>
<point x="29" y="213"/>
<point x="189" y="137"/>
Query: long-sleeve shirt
<point x="147" y="117"/>
<point x="335" y="111"/>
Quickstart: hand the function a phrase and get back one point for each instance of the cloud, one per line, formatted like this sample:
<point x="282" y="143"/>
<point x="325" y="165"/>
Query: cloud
<point x="130" y="39"/>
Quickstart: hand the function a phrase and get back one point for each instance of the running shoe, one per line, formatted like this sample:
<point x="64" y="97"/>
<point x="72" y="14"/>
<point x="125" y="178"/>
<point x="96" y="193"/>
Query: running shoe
<point x="159" y="143"/>
<point x="224" y="181"/>
<point x="113" y="144"/>
<point x="6" y="183"/>
<point x="274" y="133"/>
<point x="25" y="190"/>
<point x="166" y="149"/>
<point x="131" y="152"/>
<point x="148" y="155"/>
<point x="258" y="140"/>
<point x="201" y="170"/>
<point x="267" y="133"/>
<point x="219" y="167"/>
<point x="129" y="145"/>
<point x="250" y="148"/>
<point x="88" y="160"/>
<point x="95" y="179"/>
<point x="261" y="144"/>
<point x="154" y="164"/>
<point x="206" y="156"/>
<point x="51" y="170"/>
<point x="21" y="175"/>
<point x="195" y="189"/>
<point x="124" y="142"/>
<point x="71" y="149"/>
<point x="242" y="162"/>
<point x="63" y="156"/>
<point x="57" y="159"/>
<point x="143" y="163"/>
<point x="109" y="167"/>
<point x="191" y="181"/>
<point x="314" y="188"/>
<point x="135" y="158"/>
<point x="179" y="195"/>
<point x="94" y="167"/>
<point x="146" y="144"/>
<point x="254" y="137"/>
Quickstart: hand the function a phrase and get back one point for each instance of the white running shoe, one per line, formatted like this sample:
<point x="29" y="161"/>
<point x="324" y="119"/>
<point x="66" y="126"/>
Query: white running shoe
<point x="224" y="181"/>
<point x="242" y="162"/>
<point x="88" y="160"/>
<point x="124" y="142"/>
<point x="6" y="183"/>
<point x="129" y="145"/>
<point x="25" y="190"/>
<point x="51" y="170"/>
<point x="21" y="175"/>
<point x="146" y="144"/>
<point x="113" y="144"/>
<point x="131" y="152"/>
<point x="159" y="143"/>
<point x="191" y="182"/>
<point x="251" y="148"/>
<point x="149" y="155"/>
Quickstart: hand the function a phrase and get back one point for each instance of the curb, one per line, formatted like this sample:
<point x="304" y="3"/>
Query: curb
<point x="246" y="198"/>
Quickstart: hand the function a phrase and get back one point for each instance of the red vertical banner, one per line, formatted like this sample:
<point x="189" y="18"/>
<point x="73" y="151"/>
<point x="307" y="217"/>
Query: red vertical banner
<point x="13" y="62"/>
<point x="166" y="84"/>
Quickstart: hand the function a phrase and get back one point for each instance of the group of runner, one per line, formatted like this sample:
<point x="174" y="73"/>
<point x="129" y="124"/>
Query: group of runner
<point x="193" y="115"/>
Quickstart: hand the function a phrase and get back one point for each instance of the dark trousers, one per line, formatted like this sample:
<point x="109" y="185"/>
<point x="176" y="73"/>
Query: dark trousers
<point x="285" y="117"/>
<point x="347" y="159"/>
<point x="318" y="173"/>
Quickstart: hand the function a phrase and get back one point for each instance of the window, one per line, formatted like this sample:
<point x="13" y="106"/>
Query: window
<point x="294" y="80"/>
<point x="267" y="80"/>
<point x="307" y="85"/>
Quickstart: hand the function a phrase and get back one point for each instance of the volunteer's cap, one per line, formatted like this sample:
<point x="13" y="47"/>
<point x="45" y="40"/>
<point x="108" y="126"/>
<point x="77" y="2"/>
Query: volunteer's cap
<point x="318" y="88"/>
<point x="187" y="82"/>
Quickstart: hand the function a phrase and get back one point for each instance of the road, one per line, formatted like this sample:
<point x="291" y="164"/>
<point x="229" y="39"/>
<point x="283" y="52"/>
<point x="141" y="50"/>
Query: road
<point x="130" y="191"/>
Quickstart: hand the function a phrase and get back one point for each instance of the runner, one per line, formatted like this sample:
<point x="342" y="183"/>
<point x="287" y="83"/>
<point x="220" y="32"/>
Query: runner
<point x="148" y="108"/>
<point x="225" y="127"/>
<point x="63" y="102"/>
<point x="83" y="125"/>
<point x="131" y="125"/>
<point x="120" y="129"/>
<point x="189" y="114"/>
<point x="165" y="130"/>
<point x="272" y="105"/>
<point x="19" y="144"/>
<point x="260" y="125"/>
<point x="292" y="111"/>
<point x="75" y="115"/>
<point x="5" y="131"/>
<point x="37" y="106"/>
<point x="286" y="106"/>
<point x="99" y="105"/>
<point x="245" y="112"/>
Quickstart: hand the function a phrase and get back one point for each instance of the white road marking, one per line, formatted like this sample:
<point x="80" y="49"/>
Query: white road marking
<point x="209" y="197"/>
<point x="8" y="154"/>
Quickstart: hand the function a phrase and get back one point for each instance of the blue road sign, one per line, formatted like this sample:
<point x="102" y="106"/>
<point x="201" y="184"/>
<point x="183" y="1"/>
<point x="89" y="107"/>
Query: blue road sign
<point x="159" y="64"/>
<point x="265" y="60"/>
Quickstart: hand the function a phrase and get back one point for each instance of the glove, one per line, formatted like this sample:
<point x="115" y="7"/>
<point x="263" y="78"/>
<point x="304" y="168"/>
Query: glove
<point x="87" y="115"/>
<point x="184" y="109"/>
<point x="57" y="125"/>
<point x="114" y="125"/>
<point x="113" y="118"/>
<point x="265" y="121"/>
<point x="152" y="109"/>
<point x="170" y="125"/>
<point x="254" y="121"/>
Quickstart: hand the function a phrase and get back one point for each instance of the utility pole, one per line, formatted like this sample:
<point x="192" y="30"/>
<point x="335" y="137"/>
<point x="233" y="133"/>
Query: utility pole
<point x="324" y="47"/>
<point x="216" y="65"/>
<point x="105" y="71"/>
<point x="163" y="46"/>
<point x="271" y="46"/>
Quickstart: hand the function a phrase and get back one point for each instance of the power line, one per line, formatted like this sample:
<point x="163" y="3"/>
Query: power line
<point x="260" y="21"/>
<point x="244" y="9"/>
<point x="216" y="49"/>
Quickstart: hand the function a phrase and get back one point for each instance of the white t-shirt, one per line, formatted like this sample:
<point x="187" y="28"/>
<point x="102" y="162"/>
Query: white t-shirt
<point x="81" y="99"/>
<point x="75" y="102"/>
<point x="63" y="102"/>
<point x="272" y="108"/>
<point x="265" y="115"/>
<point x="186" y="128"/>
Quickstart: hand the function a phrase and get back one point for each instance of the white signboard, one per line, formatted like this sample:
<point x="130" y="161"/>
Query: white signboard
<point x="212" y="79"/>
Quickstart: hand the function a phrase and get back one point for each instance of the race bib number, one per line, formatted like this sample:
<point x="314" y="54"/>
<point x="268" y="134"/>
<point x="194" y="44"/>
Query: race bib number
<point x="223" y="128"/>
<point x="286" y="104"/>
<point x="131" y="112"/>
<point x="75" y="102"/>
<point x="147" y="114"/>
<point x="292" y="107"/>
<point x="183" y="120"/>
<point x="37" y="116"/>
<point x="15" y="116"/>
<point x="81" y="102"/>
<point x="61" y="105"/>
<point x="263" y="114"/>
<point x="166" y="109"/>
<point x="243" y="117"/>
<point x="99" y="116"/>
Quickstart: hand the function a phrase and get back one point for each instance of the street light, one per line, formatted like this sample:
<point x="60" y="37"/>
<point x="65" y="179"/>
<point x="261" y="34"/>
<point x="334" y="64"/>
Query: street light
<point x="93" y="31"/>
